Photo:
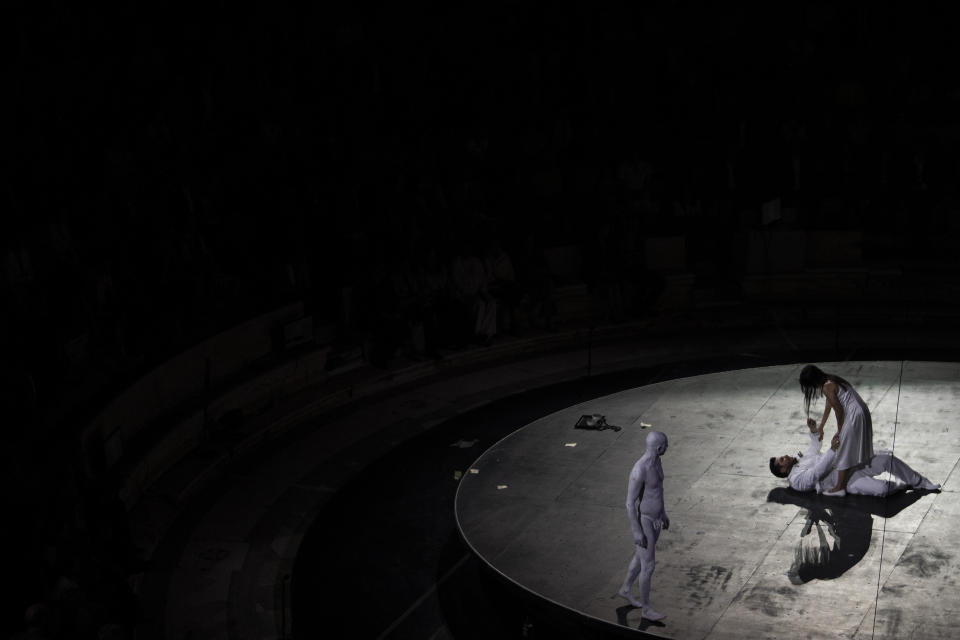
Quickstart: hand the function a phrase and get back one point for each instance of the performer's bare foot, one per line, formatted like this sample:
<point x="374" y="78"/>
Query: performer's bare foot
<point x="626" y="595"/>
<point x="651" y="614"/>
<point x="929" y="486"/>
<point x="836" y="492"/>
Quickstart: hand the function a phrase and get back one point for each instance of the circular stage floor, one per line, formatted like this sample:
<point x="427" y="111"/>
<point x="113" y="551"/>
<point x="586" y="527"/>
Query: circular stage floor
<point x="744" y="557"/>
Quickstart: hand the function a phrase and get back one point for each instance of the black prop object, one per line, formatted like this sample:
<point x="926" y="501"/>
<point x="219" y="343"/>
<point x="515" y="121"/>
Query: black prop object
<point x="595" y="422"/>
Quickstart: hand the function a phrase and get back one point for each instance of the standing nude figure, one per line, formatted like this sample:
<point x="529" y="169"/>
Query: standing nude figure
<point x="647" y="516"/>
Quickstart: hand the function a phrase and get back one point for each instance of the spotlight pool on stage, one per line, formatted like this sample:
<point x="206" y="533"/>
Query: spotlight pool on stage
<point x="743" y="557"/>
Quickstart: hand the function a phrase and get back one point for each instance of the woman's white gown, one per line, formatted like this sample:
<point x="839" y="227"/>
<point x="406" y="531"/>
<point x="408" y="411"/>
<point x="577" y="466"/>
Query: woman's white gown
<point x="856" y="434"/>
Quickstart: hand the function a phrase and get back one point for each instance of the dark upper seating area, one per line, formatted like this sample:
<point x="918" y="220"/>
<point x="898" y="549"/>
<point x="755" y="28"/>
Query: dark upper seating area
<point x="253" y="202"/>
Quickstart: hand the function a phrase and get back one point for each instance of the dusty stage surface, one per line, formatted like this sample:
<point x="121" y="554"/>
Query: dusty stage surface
<point x="743" y="557"/>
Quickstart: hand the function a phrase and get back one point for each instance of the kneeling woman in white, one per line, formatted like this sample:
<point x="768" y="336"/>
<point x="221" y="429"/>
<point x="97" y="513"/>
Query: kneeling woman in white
<point x="853" y="422"/>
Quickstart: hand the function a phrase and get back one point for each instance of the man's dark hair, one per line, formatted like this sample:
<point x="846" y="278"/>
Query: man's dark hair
<point x="775" y="470"/>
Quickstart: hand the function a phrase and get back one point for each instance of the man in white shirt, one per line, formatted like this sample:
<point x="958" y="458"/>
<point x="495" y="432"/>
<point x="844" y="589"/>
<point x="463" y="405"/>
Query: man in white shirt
<point x="813" y="470"/>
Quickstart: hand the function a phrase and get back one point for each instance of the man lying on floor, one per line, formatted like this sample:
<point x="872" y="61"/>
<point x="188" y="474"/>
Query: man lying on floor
<point x="814" y="470"/>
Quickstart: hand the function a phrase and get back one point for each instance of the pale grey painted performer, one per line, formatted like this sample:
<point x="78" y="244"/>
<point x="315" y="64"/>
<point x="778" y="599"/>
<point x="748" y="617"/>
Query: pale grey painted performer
<point x="647" y="515"/>
<point x="815" y="471"/>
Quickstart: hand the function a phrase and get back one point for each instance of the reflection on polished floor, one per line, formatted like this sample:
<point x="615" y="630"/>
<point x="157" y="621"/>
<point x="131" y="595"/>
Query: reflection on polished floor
<point x="744" y="556"/>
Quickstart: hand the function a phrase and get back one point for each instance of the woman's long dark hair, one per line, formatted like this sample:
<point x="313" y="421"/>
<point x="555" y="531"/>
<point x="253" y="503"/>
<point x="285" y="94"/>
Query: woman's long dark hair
<point x="812" y="379"/>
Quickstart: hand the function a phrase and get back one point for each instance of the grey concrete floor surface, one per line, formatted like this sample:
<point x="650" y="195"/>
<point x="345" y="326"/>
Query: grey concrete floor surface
<point x="545" y="507"/>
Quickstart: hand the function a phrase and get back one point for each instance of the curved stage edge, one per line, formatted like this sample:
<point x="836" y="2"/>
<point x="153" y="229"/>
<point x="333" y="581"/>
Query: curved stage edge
<point x="543" y="511"/>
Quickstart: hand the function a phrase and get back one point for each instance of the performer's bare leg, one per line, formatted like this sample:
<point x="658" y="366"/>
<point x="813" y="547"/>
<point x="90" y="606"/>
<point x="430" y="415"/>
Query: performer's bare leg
<point x="641" y="568"/>
<point x="649" y="563"/>
<point x="842" y="476"/>
<point x="633" y="571"/>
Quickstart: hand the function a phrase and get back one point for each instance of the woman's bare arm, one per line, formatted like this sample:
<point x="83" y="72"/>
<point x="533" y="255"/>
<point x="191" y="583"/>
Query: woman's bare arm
<point x="826" y="414"/>
<point x="830" y="395"/>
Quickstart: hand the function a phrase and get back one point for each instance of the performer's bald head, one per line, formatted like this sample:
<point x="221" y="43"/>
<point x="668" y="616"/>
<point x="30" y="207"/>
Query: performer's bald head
<point x="657" y="442"/>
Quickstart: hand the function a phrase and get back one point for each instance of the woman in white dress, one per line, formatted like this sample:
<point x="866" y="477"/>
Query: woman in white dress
<point x="853" y="421"/>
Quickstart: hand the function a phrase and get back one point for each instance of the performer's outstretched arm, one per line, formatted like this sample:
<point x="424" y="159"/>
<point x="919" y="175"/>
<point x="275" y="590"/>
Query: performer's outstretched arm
<point x="816" y="436"/>
<point x="832" y="401"/>
<point x="826" y="460"/>
<point x="826" y="414"/>
<point x="806" y="480"/>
